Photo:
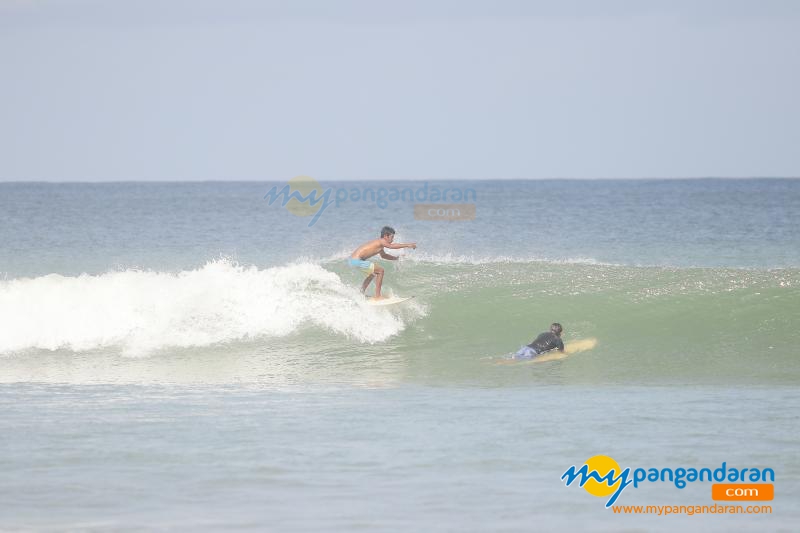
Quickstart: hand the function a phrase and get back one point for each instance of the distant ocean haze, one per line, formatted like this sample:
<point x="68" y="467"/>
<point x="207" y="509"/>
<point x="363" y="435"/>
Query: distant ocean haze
<point x="75" y="228"/>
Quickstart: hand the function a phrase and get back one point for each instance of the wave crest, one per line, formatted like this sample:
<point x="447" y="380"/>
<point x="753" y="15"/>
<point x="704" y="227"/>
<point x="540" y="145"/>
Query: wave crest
<point x="143" y="311"/>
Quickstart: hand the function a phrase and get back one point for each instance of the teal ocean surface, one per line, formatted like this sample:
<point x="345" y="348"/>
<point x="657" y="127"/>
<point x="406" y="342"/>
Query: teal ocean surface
<point x="187" y="356"/>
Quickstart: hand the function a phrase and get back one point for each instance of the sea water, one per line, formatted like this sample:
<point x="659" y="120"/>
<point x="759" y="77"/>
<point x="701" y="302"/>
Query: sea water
<point x="187" y="356"/>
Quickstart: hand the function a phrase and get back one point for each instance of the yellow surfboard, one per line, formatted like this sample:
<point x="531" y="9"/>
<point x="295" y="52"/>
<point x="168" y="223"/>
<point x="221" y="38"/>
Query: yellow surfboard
<point x="580" y="345"/>
<point x="572" y="347"/>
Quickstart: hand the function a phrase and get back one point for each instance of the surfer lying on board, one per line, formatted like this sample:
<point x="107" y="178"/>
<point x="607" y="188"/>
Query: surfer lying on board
<point x="547" y="341"/>
<point x="358" y="259"/>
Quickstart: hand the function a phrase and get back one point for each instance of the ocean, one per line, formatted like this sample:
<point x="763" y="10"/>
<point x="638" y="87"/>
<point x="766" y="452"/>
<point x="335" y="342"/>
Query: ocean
<point x="186" y="356"/>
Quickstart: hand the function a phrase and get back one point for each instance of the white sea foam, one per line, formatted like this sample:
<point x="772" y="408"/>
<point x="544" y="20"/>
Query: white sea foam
<point x="142" y="311"/>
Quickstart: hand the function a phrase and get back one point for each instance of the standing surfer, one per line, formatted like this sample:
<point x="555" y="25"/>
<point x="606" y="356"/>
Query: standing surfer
<point x="358" y="259"/>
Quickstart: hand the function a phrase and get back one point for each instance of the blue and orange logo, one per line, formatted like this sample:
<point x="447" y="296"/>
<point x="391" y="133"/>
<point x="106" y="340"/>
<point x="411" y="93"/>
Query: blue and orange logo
<point x="602" y="476"/>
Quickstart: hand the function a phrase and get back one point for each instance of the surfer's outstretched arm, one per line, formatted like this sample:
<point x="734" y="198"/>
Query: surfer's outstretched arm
<point x="398" y="245"/>
<point x="389" y="257"/>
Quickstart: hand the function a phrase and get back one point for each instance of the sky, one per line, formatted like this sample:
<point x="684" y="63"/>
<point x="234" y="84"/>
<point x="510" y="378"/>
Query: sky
<point x="92" y="90"/>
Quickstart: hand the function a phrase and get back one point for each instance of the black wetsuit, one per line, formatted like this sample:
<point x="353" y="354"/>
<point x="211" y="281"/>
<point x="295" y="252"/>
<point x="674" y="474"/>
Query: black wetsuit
<point x="547" y="341"/>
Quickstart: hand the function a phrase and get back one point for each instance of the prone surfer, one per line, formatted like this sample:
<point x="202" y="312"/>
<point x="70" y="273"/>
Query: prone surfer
<point x="358" y="259"/>
<point x="545" y="342"/>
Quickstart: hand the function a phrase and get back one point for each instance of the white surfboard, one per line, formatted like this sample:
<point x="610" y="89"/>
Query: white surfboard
<point x="387" y="301"/>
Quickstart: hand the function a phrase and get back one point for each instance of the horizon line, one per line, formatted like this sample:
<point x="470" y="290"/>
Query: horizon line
<point x="389" y="180"/>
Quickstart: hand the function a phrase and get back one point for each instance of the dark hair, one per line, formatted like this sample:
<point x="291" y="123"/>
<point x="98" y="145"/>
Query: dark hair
<point x="386" y="230"/>
<point x="556" y="328"/>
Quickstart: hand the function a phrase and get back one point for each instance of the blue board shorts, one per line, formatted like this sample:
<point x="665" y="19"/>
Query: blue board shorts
<point x="366" y="267"/>
<point x="526" y="352"/>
